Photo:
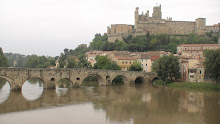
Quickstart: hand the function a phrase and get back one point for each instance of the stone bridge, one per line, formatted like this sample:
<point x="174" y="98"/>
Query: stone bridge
<point x="18" y="76"/>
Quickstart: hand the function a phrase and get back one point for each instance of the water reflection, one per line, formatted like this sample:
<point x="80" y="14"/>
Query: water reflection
<point x="62" y="87"/>
<point x="61" y="91"/>
<point x="4" y="90"/>
<point x="123" y="104"/>
<point x="32" y="89"/>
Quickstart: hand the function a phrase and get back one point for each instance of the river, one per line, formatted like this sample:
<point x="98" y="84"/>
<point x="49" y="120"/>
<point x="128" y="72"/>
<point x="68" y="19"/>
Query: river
<point x="118" y="104"/>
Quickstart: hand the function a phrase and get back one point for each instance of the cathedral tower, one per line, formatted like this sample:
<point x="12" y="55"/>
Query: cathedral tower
<point x="157" y="12"/>
<point x="136" y="16"/>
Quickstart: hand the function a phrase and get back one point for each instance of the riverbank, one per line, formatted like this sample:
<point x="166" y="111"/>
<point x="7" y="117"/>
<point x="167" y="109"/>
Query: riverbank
<point x="190" y="85"/>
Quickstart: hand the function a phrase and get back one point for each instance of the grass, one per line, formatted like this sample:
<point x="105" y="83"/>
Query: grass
<point x="190" y="85"/>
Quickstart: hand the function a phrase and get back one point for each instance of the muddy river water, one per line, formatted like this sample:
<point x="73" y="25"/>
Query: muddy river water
<point x="119" y="104"/>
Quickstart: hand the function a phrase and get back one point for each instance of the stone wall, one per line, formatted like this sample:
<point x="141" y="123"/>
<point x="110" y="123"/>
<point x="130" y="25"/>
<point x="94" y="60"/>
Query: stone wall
<point x="50" y="77"/>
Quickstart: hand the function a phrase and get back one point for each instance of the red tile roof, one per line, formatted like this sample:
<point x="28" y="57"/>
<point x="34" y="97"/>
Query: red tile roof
<point x="153" y="58"/>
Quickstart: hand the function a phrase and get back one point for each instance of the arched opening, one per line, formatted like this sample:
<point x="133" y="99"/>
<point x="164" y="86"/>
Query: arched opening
<point x="139" y="80"/>
<point x="52" y="79"/>
<point x="62" y="86"/>
<point x="156" y="80"/>
<point x="4" y="90"/>
<point x="119" y="80"/>
<point x="64" y="83"/>
<point x="92" y="80"/>
<point x="32" y="89"/>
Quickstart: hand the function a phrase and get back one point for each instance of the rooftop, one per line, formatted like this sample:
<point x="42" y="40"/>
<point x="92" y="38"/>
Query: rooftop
<point x="195" y="45"/>
<point x="153" y="58"/>
<point x="125" y="58"/>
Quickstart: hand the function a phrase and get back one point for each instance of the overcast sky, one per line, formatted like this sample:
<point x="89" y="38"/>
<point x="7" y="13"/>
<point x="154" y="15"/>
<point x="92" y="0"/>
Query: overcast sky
<point x="46" y="27"/>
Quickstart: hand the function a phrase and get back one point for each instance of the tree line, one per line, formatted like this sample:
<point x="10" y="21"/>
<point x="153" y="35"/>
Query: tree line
<point x="149" y="42"/>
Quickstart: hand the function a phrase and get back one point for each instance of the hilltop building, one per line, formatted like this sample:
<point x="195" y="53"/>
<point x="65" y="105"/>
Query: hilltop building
<point x="155" y="24"/>
<point x="215" y="28"/>
<point x="82" y="46"/>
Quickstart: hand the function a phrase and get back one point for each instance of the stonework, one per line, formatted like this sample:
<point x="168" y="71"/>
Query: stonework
<point x="215" y="28"/>
<point x="50" y="77"/>
<point x="145" y="24"/>
<point x="118" y="31"/>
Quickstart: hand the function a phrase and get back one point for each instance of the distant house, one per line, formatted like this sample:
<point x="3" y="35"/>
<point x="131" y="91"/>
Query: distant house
<point x="124" y="62"/>
<point x="195" y="49"/>
<point x="191" y="60"/>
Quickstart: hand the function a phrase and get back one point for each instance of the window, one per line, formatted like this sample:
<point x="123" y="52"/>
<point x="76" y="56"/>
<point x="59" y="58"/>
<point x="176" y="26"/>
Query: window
<point x="200" y="72"/>
<point x="191" y="76"/>
<point x="146" y="64"/>
<point x="126" y="62"/>
<point x="122" y="62"/>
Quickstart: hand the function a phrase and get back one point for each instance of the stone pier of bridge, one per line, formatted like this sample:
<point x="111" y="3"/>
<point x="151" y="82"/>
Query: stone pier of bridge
<point x="50" y="77"/>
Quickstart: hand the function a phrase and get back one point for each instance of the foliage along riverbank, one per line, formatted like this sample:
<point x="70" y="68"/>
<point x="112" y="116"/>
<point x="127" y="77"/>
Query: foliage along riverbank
<point x="190" y="85"/>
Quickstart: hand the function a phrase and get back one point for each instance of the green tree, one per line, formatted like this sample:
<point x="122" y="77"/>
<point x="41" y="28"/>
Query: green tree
<point x="167" y="68"/>
<point x="136" y="66"/>
<point x="119" y="45"/>
<point x="111" y="66"/>
<point x="83" y="63"/>
<point x="71" y="62"/>
<point x="62" y="60"/>
<point x="35" y="61"/>
<point x="153" y="43"/>
<point x="3" y="59"/>
<point x="32" y="61"/>
<point x="98" y="42"/>
<point x="212" y="64"/>
<point x="102" y="62"/>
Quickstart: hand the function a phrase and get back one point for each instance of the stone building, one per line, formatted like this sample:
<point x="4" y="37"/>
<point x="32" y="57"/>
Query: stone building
<point x="82" y="46"/>
<point x="195" y="49"/>
<point x="124" y="62"/>
<point x="215" y="28"/>
<point x="118" y="31"/>
<point x="155" y="24"/>
<point x="191" y="61"/>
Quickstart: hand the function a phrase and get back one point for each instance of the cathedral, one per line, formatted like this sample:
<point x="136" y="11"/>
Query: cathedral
<point x="155" y="24"/>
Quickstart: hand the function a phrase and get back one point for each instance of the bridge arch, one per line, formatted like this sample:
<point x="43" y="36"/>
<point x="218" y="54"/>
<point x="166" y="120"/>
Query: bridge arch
<point x="33" y="88"/>
<point x="125" y="79"/>
<point x="9" y="79"/>
<point x="30" y="78"/>
<point x="100" y="79"/>
<point x="140" y="80"/>
<point x="64" y="83"/>
<point x="4" y="90"/>
<point x="154" y="78"/>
